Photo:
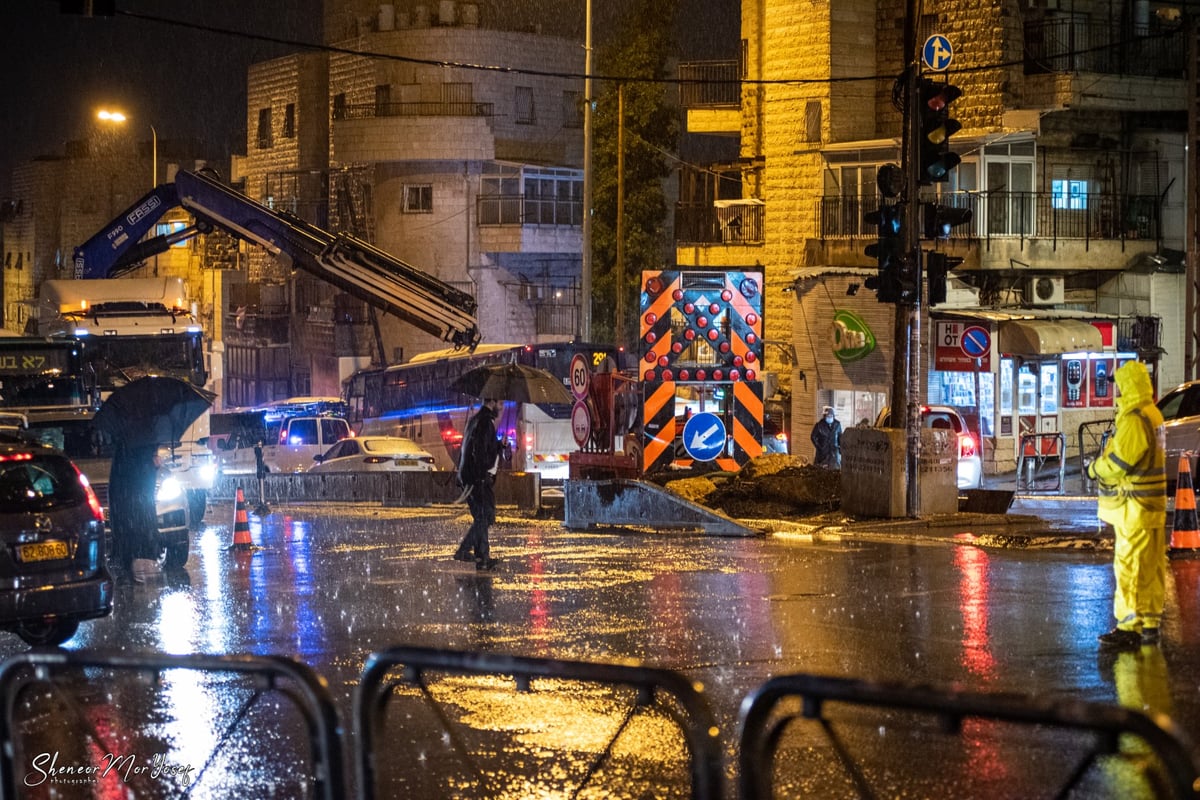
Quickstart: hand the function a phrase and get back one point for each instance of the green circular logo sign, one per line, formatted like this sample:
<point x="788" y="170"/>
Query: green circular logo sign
<point x="852" y="338"/>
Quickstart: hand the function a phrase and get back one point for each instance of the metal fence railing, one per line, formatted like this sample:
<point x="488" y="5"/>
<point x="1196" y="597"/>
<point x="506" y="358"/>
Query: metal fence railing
<point x="70" y="713"/>
<point x="617" y="704"/>
<point x="873" y="739"/>
<point x="435" y="723"/>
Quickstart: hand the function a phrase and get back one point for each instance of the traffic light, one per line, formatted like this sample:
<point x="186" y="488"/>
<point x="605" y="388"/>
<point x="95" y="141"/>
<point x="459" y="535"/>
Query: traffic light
<point x="936" y="160"/>
<point x="938" y="220"/>
<point x="937" y="270"/>
<point x="893" y="283"/>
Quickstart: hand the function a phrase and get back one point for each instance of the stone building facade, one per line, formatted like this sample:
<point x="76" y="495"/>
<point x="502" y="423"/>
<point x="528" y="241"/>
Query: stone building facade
<point x="1074" y="126"/>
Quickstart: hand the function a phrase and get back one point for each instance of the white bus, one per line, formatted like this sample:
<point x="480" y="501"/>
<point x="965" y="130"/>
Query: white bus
<point x="414" y="400"/>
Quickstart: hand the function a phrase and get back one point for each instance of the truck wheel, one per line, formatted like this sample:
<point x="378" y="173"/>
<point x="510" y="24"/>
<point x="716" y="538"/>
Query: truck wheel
<point x="197" y="504"/>
<point x="177" y="556"/>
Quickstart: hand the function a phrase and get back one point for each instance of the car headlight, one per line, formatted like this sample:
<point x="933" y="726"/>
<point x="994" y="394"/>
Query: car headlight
<point x="208" y="472"/>
<point x="170" y="489"/>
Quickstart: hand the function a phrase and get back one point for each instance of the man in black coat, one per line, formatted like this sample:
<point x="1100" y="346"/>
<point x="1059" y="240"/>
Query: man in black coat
<point x="827" y="439"/>
<point x="477" y="472"/>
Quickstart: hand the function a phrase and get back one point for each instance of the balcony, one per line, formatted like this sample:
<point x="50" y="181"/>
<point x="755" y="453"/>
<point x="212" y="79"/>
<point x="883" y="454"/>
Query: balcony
<point x="1073" y="45"/>
<point x="417" y="109"/>
<point x="711" y="93"/>
<point x="729" y="222"/>
<point x="1049" y="217"/>
<point x="710" y="84"/>
<point x="515" y="209"/>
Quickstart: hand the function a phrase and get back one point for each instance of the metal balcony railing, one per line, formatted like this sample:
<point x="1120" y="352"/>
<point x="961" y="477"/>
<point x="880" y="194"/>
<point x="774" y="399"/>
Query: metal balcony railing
<point x="710" y="84"/>
<point x="708" y="224"/>
<point x="417" y="109"/>
<point x="1024" y="215"/>
<point x="1074" y="45"/>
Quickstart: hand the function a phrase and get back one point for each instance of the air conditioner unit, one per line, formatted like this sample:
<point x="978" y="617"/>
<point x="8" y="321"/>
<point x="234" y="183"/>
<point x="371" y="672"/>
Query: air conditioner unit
<point x="1045" y="291"/>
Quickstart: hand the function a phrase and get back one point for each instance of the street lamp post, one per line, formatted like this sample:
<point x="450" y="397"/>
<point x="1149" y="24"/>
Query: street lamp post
<point x="119" y="118"/>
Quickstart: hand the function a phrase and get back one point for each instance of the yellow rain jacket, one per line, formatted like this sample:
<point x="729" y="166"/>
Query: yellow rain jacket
<point x="1132" y="478"/>
<point x="1133" y="465"/>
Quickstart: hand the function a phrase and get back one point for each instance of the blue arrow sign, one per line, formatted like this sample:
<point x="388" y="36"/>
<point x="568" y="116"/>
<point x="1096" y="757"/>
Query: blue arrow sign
<point x="937" y="52"/>
<point x="704" y="436"/>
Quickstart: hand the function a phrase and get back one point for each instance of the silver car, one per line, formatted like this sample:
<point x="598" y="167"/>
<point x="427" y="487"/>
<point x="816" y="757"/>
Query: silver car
<point x="1180" y="409"/>
<point x="374" y="454"/>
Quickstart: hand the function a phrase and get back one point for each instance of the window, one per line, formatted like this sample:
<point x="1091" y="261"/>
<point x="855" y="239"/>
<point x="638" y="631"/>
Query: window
<point x="264" y="128"/>
<point x="383" y="100"/>
<point x="1069" y="194"/>
<point x="418" y="199"/>
<point x="572" y="109"/>
<point x="531" y="196"/>
<point x="289" y="121"/>
<point x="167" y="228"/>
<point x="524" y="105"/>
<point x="339" y="106"/>
<point x="812" y="121"/>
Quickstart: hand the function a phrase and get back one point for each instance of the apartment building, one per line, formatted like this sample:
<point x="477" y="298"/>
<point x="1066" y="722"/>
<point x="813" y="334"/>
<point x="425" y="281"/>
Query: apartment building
<point x="1073" y="144"/>
<point x="406" y="135"/>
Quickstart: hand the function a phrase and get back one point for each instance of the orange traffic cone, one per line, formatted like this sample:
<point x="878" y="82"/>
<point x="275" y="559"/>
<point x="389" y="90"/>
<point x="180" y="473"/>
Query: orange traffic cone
<point x="241" y="524"/>
<point x="1185" y="532"/>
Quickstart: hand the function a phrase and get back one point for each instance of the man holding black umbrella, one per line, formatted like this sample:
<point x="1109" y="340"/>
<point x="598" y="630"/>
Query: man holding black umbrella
<point x="477" y="474"/>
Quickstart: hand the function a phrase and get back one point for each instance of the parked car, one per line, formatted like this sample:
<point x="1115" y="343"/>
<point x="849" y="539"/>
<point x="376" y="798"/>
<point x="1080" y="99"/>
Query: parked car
<point x="1180" y="409"/>
<point x="970" y="463"/>
<point x="53" y="572"/>
<point x="374" y="454"/>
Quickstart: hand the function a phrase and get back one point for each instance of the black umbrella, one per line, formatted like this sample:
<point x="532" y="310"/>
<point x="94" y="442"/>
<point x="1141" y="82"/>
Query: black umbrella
<point x="152" y="410"/>
<point x="515" y="382"/>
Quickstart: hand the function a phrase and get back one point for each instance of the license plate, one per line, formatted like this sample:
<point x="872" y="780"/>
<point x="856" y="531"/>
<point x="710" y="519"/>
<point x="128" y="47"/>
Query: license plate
<point x="405" y="462"/>
<point x="41" y="551"/>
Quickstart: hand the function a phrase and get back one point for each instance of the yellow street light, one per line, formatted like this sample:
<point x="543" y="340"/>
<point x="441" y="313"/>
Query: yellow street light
<point x="118" y="118"/>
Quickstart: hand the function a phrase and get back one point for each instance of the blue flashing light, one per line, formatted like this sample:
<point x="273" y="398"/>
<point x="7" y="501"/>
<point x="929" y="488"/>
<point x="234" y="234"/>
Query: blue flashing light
<point x="81" y="331"/>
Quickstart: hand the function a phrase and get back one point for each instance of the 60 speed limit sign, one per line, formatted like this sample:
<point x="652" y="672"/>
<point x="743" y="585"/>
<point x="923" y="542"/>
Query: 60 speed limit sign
<point x="581" y="376"/>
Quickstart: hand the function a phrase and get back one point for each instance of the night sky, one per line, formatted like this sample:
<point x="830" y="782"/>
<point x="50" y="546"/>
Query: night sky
<point x="56" y="70"/>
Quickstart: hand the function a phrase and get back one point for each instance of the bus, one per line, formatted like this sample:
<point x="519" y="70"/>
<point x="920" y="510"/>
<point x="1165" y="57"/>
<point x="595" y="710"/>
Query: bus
<point x="43" y="374"/>
<point x="414" y="400"/>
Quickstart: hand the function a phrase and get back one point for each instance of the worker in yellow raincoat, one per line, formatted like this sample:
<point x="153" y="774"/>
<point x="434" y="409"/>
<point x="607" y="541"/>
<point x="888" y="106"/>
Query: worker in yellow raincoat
<point x="1132" y="478"/>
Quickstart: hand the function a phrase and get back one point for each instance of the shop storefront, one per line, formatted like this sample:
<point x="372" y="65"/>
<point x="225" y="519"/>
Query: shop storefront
<point x="1018" y="374"/>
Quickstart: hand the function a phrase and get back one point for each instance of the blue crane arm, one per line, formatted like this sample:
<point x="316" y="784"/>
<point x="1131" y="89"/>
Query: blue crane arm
<point x="119" y="247"/>
<point x="354" y="266"/>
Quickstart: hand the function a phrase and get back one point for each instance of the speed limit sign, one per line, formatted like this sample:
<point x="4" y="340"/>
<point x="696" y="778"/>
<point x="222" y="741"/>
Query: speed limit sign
<point x="581" y="376"/>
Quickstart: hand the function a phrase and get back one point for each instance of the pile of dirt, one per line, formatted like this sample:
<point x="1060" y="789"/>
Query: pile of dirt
<point x="769" y="486"/>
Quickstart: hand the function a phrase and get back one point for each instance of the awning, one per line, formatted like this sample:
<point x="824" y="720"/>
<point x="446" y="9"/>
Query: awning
<point x="1030" y="337"/>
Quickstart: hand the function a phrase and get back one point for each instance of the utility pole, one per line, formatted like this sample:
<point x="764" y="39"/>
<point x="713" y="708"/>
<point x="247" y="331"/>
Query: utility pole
<point x="906" y="358"/>
<point x="619" y="322"/>
<point x="585" y="301"/>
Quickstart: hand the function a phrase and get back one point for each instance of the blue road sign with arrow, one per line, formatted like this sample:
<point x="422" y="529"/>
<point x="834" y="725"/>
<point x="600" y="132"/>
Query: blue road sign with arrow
<point x="937" y="52"/>
<point x="704" y="436"/>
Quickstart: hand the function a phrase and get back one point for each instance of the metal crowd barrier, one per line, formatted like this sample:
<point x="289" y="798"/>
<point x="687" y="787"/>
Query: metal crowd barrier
<point x="1036" y="449"/>
<point x="415" y="667"/>
<point x="1093" y="436"/>
<point x="1151" y="746"/>
<point x="764" y="724"/>
<point x="269" y="676"/>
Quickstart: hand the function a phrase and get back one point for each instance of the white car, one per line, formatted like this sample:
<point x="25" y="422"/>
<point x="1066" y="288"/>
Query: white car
<point x="970" y="464"/>
<point x="374" y="454"/>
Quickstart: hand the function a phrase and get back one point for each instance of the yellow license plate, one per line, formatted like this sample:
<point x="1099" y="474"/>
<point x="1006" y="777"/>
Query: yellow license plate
<point x="405" y="462"/>
<point x="42" y="551"/>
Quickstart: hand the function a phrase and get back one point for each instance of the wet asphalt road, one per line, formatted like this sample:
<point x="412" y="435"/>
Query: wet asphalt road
<point x="328" y="586"/>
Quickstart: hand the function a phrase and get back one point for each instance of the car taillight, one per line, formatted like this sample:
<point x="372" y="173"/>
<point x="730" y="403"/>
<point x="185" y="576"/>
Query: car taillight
<point x="966" y="445"/>
<point x="375" y="460"/>
<point x="529" y="442"/>
<point x="92" y="500"/>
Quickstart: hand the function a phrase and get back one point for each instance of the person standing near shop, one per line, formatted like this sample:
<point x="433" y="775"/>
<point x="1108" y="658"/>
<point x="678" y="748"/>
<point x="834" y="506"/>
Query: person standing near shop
<point x="1132" y="479"/>
<point x="827" y="438"/>
<point x="477" y="474"/>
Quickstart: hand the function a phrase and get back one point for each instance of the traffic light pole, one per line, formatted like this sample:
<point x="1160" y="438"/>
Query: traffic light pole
<point x="906" y="360"/>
